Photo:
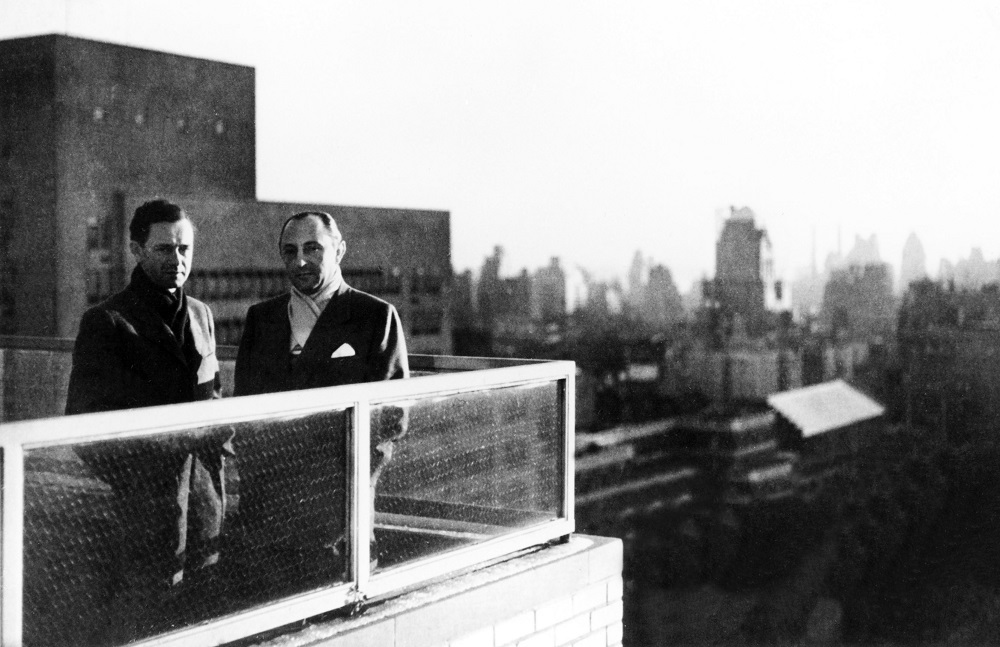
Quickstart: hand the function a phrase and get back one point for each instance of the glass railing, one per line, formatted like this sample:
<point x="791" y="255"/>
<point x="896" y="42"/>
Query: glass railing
<point x="334" y="497"/>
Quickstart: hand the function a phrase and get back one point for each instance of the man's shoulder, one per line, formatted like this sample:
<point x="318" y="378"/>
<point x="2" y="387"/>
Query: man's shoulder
<point x="368" y="301"/>
<point x="278" y="303"/>
<point x="198" y="306"/>
<point x="118" y="302"/>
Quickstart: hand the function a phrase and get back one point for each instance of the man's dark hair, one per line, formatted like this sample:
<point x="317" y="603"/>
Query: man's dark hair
<point x="150" y="213"/>
<point x="325" y="218"/>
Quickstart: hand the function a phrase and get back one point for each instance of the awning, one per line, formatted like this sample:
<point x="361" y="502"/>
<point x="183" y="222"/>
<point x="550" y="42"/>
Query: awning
<point x="822" y="407"/>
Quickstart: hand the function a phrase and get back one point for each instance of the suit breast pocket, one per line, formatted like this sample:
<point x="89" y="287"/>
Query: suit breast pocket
<point x="344" y="370"/>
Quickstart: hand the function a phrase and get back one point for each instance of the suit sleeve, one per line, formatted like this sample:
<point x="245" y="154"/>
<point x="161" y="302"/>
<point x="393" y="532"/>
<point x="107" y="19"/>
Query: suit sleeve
<point x="96" y="381"/>
<point x="243" y="382"/>
<point x="217" y="381"/>
<point x="390" y="363"/>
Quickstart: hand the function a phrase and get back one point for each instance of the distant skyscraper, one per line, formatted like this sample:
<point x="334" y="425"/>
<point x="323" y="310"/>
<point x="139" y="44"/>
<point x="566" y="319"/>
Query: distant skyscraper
<point x="488" y="288"/>
<point x="946" y="272"/>
<point x="974" y="272"/>
<point x="638" y="274"/>
<point x="548" y="294"/>
<point x="864" y="252"/>
<point x="662" y="305"/>
<point x="914" y="265"/>
<point x="743" y="267"/>
<point x="858" y="302"/>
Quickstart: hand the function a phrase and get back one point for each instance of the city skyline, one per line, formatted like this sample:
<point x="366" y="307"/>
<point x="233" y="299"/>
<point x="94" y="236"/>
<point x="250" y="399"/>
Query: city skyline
<point x="589" y="131"/>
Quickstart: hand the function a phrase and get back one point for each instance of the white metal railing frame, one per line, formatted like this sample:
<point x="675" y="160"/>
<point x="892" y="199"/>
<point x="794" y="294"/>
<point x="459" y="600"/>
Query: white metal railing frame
<point x="19" y="437"/>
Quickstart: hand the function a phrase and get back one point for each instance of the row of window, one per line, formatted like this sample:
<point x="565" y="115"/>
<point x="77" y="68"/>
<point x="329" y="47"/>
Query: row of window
<point x="243" y="283"/>
<point x="256" y="284"/>
<point x="375" y="281"/>
<point x="182" y="123"/>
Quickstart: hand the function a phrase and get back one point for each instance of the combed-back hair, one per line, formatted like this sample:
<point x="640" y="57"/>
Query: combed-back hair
<point x="150" y="213"/>
<point x="325" y="218"/>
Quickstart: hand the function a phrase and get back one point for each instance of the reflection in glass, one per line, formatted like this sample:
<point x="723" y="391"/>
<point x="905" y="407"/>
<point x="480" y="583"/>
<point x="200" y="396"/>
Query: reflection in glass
<point x="91" y="572"/>
<point x="470" y="467"/>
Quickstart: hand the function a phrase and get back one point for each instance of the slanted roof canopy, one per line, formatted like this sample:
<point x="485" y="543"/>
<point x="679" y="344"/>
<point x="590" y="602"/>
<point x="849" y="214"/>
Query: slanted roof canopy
<point x="823" y="407"/>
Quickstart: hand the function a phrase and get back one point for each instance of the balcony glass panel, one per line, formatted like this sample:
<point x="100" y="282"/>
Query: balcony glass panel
<point x="469" y="463"/>
<point x="100" y="518"/>
<point x="470" y="467"/>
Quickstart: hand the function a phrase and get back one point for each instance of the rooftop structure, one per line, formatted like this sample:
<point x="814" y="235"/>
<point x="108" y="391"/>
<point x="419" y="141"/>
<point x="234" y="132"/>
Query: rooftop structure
<point x="822" y="407"/>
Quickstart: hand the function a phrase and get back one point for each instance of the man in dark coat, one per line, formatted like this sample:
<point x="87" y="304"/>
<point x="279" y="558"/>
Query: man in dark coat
<point x="151" y="344"/>
<point x="322" y="333"/>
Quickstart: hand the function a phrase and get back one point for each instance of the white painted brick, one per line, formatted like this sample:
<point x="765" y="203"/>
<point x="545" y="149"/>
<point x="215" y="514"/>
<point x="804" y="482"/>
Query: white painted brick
<point x="552" y="613"/>
<point x="616" y="632"/>
<point x="596" y="639"/>
<point x="595" y="595"/>
<point x="481" y="638"/>
<point x="567" y="632"/>
<point x="606" y="615"/>
<point x="606" y="561"/>
<point x="615" y="589"/>
<point x="509" y="630"/>
<point x="545" y="638"/>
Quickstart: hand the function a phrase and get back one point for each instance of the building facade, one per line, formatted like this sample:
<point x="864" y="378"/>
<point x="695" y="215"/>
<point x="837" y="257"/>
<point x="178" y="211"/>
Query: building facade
<point x="89" y="130"/>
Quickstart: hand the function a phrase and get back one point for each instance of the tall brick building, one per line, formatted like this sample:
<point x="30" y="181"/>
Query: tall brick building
<point x="743" y="271"/>
<point x="89" y="130"/>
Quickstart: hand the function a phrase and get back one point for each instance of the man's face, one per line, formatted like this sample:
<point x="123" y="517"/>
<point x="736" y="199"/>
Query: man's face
<point x="311" y="254"/>
<point x="166" y="255"/>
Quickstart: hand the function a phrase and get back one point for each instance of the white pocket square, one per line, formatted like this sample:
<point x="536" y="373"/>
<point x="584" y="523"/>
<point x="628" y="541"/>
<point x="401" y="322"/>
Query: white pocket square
<point x="345" y="350"/>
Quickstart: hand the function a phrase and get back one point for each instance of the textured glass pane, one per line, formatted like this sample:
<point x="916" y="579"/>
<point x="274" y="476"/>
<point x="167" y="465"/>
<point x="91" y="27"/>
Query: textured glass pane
<point x="469" y="467"/>
<point x="127" y="539"/>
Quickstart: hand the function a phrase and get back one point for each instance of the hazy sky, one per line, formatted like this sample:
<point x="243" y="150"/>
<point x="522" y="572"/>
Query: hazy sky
<point x="589" y="130"/>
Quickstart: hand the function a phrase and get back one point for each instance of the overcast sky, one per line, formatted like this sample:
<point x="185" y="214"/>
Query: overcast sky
<point x="588" y="130"/>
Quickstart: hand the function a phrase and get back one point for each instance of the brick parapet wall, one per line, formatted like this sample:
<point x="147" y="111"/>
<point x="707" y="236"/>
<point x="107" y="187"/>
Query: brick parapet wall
<point x="33" y="383"/>
<point x="564" y="595"/>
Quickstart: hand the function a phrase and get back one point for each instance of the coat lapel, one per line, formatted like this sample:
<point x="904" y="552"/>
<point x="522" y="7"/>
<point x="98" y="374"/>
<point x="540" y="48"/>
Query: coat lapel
<point x="200" y="332"/>
<point x="336" y="313"/>
<point x="277" y="333"/>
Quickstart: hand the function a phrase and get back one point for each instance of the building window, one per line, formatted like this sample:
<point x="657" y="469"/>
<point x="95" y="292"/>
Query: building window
<point x="426" y="322"/>
<point x="98" y="114"/>
<point x="93" y="234"/>
<point x="220" y="127"/>
<point x="140" y="119"/>
<point x="394" y="282"/>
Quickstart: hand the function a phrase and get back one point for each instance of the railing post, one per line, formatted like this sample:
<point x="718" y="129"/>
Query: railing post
<point x="12" y="548"/>
<point x="361" y="495"/>
<point x="569" y="439"/>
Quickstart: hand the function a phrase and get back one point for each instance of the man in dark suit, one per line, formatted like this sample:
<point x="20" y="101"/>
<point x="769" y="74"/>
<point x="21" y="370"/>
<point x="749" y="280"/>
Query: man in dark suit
<point x="322" y="333"/>
<point x="151" y="344"/>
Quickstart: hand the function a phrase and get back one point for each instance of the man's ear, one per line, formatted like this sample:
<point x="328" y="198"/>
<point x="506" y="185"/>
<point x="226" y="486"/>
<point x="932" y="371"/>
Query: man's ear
<point x="135" y="248"/>
<point x="341" y="250"/>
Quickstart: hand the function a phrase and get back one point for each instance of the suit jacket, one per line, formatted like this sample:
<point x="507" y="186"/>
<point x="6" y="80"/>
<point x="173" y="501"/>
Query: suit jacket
<point x="126" y="356"/>
<point x="367" y="324"/>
